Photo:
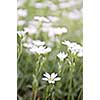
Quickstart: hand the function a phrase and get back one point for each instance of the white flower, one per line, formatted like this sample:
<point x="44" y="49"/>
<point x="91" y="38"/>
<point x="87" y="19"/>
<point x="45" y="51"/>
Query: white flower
<point x="66" y="43"/>
<point x="57" y="30"/>
<point x="21" y="22"/>
<point x="40" y="49"/>
<point x="22" y="12"/>
<point x="51" y="78"/>
<point x="53" y="18"/>
<point x="38" y="43"/>
<point x="38" y="5"/>
<point x="74" y="48"/>
<point x="20" y="33"/>
<point x="75" y="15"/>
<point x="80" y="52"/>
<point x="28" y="45"/>
<point x="31" y="29"/>
<point x="62" y="56"/>
<point x="41" y="18"/>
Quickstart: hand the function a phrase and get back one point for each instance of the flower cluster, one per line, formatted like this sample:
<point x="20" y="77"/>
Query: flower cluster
<point x="37" y="46"/>
<point x="74" y="48"/>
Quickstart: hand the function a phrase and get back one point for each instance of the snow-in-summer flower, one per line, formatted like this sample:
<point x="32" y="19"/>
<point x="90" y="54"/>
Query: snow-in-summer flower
<point x="51" y="78"/>
<point x="57" y="31"/>
<point x="53" y="18"/>
<point x="31" y="29"/>
<point x="74" y="48"/>
<point x="40" y="50"/>
<point x="41" y="18"/>
<point x="38" y="42"/>
<point x="74" y="15"/>
<point x="21" y="22"/>
<point x="21" y="33"/>
<point x="28" y="45"/>
<point x="62" y="56"/>
<point x="20" y="3"/>
<point x="22" y="12"/>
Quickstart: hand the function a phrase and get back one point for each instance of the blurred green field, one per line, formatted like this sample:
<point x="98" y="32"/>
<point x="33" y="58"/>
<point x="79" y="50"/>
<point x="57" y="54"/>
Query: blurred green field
<point x="51" y="21"/>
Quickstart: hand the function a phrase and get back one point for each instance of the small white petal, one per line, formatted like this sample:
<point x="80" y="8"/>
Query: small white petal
<point x="45" y="79"/>
<point x="38" y="42"/>
<point x="53" y="75"/>
<point x="50" y="81"/>
<point x="57" y="79"/>
<point x="47" y="75"/>
<point x="62" y="56"/>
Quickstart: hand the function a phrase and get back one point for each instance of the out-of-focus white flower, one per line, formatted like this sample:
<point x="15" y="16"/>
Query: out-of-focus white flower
<point x="41" y="18"/>
<point x="57" y="31"/>
<point x="21" y="22"/>
<point x="51" y="78"/>
<point x="20" y="2"/>
<point x="66" y="43"/>
<point x="31" y="29"/>
<point x="38" y="42"/>
<point x="53" y="18"/>
<point x="80" y="52"/>
<point x="62" y="56"/>
<point x="22" y="12"/>
<point x="51" y="5"/>
<point x="64" y="5"/>
<point x="21" y="33"/>
<point x="46" y="27"/>
<point x="40" y="50"/>
<point x="28" y="45"/>
<point x="38" y="5"/>
<point x="74" y="15"/>
<point x="74" y="48"/>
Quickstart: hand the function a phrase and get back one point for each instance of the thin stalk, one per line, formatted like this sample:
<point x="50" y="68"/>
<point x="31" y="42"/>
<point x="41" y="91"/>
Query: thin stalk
<point x="35" y="93"/>
<point x="69" y="96"/>
<point x="79" y="94"/>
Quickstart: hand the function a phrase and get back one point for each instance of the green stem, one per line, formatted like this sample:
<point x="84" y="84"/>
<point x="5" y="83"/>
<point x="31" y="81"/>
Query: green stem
<point x="35" y="93"/>
<point x="79" y="94"/>
<point x="69" y="96"/>
<point x="20" y="52"/>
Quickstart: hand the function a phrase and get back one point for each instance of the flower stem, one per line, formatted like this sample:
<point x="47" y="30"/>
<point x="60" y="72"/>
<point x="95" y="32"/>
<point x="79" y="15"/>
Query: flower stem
<point x="35" y="93"/>
<point x="79" y="94"/>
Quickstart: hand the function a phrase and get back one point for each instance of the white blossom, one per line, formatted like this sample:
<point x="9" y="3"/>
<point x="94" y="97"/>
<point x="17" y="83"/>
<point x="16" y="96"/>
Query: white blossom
<point x="74" y="48"/>
<point x="40" y="49"/>
<point x="31" y="29"/>
<point x="28" y="45"/>
<point x="21" y="22"/>
<point x="21" y="33"/>
<point x="39" y="5"/>
<point x="66" y="43"/>
<point x="38" y="42"/>
<point x="51" y="78"/>
<point x="53" y="18"/>
<point x="41" y="18"/>
<point x="57" y="30"/>
<point x="22" y="12"/>
<point x="62" y="56"/>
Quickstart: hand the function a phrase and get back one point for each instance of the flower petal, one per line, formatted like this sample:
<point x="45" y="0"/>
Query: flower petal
<point x="47" y="75"/>
<point x="53" y="75"/>
<point x="45" y="79"/>
<point x="57" y="79"/>
<point x="50" y="81"/>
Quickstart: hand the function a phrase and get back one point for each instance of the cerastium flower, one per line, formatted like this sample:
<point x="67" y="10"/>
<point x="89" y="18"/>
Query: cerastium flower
<point x="62" y="56"/>
<point x="74" y="48"/>
<point x="40" y="50"/>
<point x="50" y="78"/>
